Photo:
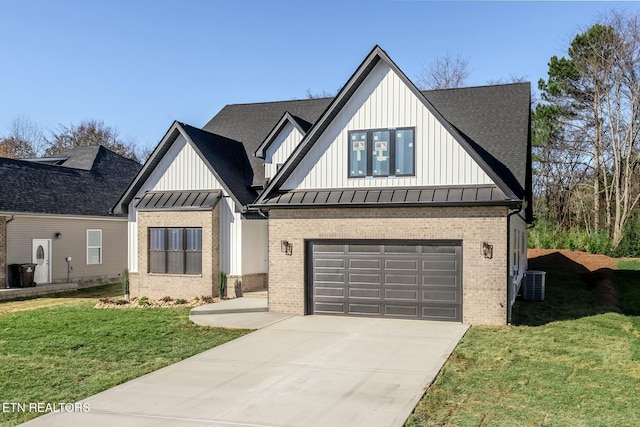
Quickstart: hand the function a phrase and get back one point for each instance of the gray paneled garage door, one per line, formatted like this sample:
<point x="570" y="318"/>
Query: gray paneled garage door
<point x="416" y="280"/>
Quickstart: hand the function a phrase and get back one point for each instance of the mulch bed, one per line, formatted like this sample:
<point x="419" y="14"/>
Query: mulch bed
<point x="135" y="303"/>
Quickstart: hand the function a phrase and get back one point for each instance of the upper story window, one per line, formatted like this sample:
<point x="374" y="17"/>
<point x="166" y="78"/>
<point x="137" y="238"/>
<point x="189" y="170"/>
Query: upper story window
<point x="382" y="152"/>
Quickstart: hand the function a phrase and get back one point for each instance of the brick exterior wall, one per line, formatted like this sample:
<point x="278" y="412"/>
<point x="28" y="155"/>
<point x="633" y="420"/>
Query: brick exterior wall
<point x="155" y="285"/>
<point x="484" y="281"/>
<point x="3" y="252"/>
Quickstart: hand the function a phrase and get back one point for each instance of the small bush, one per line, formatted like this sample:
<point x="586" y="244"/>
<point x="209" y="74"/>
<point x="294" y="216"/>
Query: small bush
<point x="122" y="302"/>
<point x="207" y="299"/>
<point x="107" y="301"/>
<point x="143" y="301"/>
<point x="196" y="298"/>
<point x="181" y="301"/>
<point x="166" y="299"/>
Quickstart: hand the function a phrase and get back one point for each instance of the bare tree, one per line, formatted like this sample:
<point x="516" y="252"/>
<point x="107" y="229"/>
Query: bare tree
<point x="25" y="139"/>
<point x="448" y="71"/>
<point x="322" y="94"/>
<point x="89" y="133"/>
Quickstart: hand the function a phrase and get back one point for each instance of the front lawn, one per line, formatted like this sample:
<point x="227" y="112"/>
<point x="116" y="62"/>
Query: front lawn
<point x="71" y="350"/>
<point x="565" y="362"/>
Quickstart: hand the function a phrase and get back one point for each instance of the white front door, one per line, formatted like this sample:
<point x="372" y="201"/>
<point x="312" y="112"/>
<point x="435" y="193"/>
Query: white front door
<point x="42" y="257"/>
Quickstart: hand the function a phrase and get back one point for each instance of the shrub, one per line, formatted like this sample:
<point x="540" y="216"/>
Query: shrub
<point x="222" y="285"/>
<point x="166" y="299"/>
<point x="181" y="301"/>
<point x="207" y="299"/>
<point x="143" y="301"/>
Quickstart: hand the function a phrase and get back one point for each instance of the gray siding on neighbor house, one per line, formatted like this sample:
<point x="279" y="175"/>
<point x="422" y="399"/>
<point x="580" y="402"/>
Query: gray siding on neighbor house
<point x="23" y="229"/>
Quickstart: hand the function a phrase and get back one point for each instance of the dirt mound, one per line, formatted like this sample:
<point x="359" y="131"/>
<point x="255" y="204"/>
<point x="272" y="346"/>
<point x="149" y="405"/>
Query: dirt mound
<point x="573" y="261"/>
<point x="595" y="270"/>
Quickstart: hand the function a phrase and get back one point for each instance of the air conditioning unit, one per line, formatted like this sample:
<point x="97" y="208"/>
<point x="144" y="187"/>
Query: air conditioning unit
<point x="533" y="289"/>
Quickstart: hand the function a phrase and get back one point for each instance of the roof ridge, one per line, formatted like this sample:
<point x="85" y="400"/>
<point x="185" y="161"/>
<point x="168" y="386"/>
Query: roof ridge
<point x="281" y="101"/>
<point x="476" y="87"/>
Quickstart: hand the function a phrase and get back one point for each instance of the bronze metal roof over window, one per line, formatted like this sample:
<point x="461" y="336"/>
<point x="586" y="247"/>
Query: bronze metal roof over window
<point x="179" y="200"/>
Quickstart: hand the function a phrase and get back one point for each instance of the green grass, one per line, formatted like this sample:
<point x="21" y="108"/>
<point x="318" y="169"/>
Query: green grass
<point x="69" y="351"/>
<point x="565" y="362"/>
<point x="628" y="264"/>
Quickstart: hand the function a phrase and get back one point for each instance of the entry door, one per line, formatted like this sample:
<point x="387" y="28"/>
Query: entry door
<point x="42" y="257"/>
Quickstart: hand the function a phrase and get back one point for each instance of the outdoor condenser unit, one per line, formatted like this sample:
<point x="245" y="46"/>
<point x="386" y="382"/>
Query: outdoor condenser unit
<point x="533" y="289"/>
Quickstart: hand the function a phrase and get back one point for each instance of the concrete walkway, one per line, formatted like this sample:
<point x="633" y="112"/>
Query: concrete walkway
<point x="300" y="371"/>
<point x="237" y="313"/>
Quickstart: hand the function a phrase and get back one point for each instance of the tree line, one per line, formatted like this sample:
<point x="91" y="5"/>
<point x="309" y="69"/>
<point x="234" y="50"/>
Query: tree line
<point x="586" y="136"/>
<point x="25" y="140"/>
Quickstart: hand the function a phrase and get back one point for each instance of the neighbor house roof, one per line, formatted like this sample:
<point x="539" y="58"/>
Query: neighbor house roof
<point x="32" y="187"/>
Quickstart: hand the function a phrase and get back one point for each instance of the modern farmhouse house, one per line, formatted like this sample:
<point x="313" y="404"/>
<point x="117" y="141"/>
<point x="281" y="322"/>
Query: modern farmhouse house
<point x="382" y="201"/>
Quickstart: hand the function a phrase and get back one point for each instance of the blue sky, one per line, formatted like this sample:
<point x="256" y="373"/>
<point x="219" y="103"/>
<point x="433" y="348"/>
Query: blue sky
<point x="139" y="65"/>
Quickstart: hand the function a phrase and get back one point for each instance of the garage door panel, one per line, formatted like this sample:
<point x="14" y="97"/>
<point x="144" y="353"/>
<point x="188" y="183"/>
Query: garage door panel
<point x="365" y="293"/>
<point x="401" y="294"/>
<point x="401" y="264"/>
<point x="409" y="311"/>
<point x="330" y="308"/>
<point x="329" y="263"/>
<point x="401" y="280"/>
<point x="364" y="309"/>
<point x="364" y="264"/>
<point x="323" y="291"/>
<point x="364" y="278"/>
<point x="329" y="277"/>
<point x="439" y="265"/>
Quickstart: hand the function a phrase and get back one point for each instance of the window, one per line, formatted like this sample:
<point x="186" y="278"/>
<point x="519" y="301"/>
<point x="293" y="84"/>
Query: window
<point x="382" y="152"/>
<point x="175" y="250"/>
<point x="94" y="247"/>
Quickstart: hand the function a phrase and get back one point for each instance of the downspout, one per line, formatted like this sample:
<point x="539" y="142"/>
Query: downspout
<point x="509" y="284"/>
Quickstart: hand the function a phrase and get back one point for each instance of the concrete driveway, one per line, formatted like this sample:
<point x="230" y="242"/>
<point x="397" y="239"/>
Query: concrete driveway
<point x="301" y="371"/>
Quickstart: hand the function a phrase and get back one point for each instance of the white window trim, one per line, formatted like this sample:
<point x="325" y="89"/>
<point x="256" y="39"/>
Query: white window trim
<point x="93" y="247"/>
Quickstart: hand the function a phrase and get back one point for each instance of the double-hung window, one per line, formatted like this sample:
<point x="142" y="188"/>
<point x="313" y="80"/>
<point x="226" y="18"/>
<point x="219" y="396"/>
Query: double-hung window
<point x="175" y="250"/>
<point x="94" y="247"/>
<point x="382" y="152"/>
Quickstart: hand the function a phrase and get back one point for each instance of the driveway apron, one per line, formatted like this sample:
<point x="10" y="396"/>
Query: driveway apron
<point x="301" y="371"/>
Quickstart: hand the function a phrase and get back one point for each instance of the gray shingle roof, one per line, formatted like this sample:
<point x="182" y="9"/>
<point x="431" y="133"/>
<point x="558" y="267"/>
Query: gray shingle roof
<point x="29" y="187"/>
<point x="228" y="159"/>
<point x="494" y="120"/>
<point x="251" y="123"/>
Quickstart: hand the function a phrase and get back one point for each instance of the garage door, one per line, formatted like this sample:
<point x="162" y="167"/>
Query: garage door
<point x="413" y="280"/>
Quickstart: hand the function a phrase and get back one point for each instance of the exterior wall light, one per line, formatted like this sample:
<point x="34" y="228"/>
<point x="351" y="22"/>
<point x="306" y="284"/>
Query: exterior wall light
<point x="58" y="235"/>
<point x="487" y="250"/>
<point x="286" y="247"/>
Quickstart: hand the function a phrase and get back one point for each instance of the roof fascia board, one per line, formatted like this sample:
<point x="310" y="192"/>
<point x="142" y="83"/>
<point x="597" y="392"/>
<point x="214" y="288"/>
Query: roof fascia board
<point x="286" y="118"/>
<point x="239" y="206"/>
<point x="122" y="205"/>
<point x="340" y="100"/>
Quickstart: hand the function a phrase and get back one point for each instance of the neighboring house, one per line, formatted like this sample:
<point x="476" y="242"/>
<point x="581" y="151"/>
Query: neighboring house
<point x="58" y="207"/>
<point x="382" y="201"/>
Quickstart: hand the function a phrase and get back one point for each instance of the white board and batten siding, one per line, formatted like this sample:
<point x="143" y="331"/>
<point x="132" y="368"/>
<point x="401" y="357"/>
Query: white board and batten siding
<point x="383" y="101"/>
<point x="518" y="262"/>
<point x="280" y="149"/>
<point x="181" y="168"/>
